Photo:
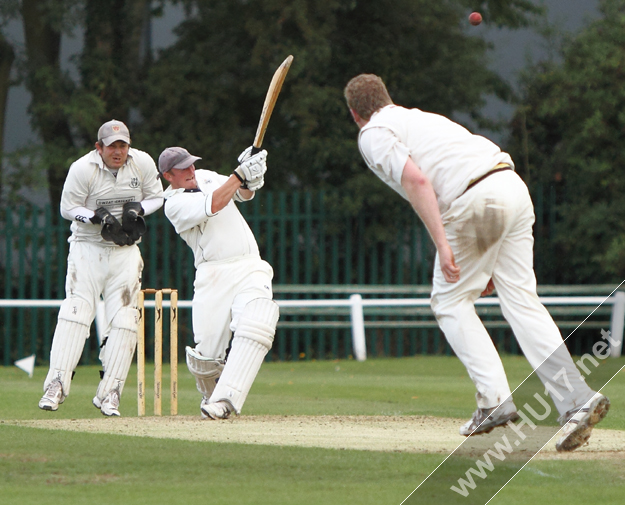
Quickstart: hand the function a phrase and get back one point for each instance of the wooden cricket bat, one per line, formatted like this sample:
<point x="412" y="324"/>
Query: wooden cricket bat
<point x="270" y="101"/>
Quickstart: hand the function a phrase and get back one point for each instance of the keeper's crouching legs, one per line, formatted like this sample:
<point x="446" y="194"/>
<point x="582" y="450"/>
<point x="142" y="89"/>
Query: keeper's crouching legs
<point x="72" y="330"/>
<point x="116" y="357"/>
<point x="252" y="340"/>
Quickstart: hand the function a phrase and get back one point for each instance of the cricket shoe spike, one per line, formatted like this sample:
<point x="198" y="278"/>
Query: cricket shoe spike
<point x="486" y="420"/>
<point x="578" y="423"/>
<point x="53" y="396"/>
<point x="217" y="410"/>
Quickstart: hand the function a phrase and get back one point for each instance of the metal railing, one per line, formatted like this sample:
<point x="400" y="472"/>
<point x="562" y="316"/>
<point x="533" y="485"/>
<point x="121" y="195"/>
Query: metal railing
<point x="355" y="304"/>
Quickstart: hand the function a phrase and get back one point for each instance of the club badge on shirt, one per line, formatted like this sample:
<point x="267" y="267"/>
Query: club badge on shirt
<point x="134" y="182"/>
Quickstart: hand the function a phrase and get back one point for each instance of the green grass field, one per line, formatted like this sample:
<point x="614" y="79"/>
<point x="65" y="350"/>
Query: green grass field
<point x="51" y="466"/>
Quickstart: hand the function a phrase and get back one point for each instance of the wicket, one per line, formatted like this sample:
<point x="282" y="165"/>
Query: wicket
<point x="158" y="349"/>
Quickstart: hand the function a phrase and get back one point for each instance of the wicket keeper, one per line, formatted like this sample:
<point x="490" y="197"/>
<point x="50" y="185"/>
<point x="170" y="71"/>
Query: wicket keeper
<point x="105" y="196"/>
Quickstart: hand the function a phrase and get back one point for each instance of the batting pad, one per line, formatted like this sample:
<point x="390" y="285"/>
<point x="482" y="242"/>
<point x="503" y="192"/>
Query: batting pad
<point x="72" y="330"/>
<point x="118" y="351"/>
<point x="205" y="370"/>
<point x="252" y="340"/>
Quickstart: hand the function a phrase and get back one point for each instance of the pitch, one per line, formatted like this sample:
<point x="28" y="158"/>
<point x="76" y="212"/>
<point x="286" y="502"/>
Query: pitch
<point x="412" y="434"/>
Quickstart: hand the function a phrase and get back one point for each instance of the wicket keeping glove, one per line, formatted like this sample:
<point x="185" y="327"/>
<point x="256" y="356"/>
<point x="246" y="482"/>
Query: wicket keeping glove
<point x="111" y="227"/>
<point x="132" y="221"/>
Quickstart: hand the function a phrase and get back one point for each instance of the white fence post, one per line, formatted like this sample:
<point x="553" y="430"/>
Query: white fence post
<point x="358" y="327"/>
<point x="617" y="323"/>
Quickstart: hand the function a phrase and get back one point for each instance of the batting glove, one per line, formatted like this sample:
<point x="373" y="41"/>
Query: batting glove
<point x="252" y="168"/>
<point x="245" y="155"/>
<point x="256" y="184"/>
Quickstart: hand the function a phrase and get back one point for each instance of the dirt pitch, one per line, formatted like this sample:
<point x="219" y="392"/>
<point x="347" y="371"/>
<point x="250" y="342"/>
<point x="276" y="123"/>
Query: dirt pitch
<point x="420" y="434"/>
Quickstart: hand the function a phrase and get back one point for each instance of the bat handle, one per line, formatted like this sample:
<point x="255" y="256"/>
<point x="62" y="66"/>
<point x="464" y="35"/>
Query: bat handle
<point x="255" y="150"/>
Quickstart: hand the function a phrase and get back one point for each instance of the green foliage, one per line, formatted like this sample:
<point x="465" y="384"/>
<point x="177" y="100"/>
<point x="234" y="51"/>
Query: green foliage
<point x="66" y="110"/>
<point x="571" y="129"/>
<point x="511" y="13"/>
<point x="9" y="9"/>
<point x="206" y="92"/>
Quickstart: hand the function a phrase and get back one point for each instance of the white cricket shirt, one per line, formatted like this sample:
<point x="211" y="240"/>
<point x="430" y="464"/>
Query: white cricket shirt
<point x="222" y="236"/>
<point x="448" y="154"/>
<point x="90" y="184"/>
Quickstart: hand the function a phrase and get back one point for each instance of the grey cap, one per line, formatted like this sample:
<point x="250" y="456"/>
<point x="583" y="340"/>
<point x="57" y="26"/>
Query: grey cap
<point x="113" y="130"/>
<point x="175" y="157"/>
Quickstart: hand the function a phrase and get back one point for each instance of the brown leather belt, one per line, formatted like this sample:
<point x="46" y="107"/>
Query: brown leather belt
<point x="499" y="168"/>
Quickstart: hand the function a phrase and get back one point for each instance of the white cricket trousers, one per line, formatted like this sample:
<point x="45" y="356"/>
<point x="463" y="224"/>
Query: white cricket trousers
<point x="221" y="292"/>
<point x="93" y="270"/>
<point x="489" y="229"/>
<point x="114" y="272"/>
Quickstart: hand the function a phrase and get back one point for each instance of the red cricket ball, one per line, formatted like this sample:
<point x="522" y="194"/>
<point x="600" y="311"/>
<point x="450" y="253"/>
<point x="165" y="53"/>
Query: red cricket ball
<point x="475" y="18"/>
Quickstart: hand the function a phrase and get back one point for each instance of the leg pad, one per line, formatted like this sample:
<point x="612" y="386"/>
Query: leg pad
<point x="205" y="370"/>
<point x="117" y="353"/>
<point x="70" y="334"/>
<point x="252" y="340"/>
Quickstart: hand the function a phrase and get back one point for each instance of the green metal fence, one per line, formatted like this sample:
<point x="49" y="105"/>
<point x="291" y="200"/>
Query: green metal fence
<point x="34" y="260"/>
<point x="303" y="235"/>
<point x="297" y="234"/>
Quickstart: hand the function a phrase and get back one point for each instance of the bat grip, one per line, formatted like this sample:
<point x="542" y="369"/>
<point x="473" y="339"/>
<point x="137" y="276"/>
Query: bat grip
<point x="255" y="150"/>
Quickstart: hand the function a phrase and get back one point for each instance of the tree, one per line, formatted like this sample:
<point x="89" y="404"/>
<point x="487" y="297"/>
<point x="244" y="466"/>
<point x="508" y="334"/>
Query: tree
<point x="206" y="91"/>
<point x="65" y="112"/>
<point x="218" y="72"/>
<point x="570" y="127"/>
<point x="50" y="89"/>
<point x="8" y="11"/>
<point x="7" y="56"/>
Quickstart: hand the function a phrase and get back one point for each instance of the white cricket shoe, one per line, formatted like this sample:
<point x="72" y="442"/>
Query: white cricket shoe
<point x="486" y="420"/>
<point x="97" y="403"/>
<point x="110" y="404"/>
<point x="216" y="410"/>
<point x="578" y="423"/>
<point x="53" y="396"/>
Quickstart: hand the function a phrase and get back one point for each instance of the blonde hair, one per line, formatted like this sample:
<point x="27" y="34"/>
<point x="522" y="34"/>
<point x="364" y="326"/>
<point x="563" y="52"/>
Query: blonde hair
<point x="366" y="94"/>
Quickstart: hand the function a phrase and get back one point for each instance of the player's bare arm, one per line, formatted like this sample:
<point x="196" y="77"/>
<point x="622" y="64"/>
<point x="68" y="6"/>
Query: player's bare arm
<point x="423" y="199"/>
<point x="223" y="195"/>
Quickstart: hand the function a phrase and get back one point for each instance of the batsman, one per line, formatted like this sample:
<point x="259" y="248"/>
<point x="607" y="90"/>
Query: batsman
<point x="232" y="288"/>
<point x="105" y="196"/>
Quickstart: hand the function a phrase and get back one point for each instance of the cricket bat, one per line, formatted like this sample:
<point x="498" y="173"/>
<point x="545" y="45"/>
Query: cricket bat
<point x="270" y="101"/>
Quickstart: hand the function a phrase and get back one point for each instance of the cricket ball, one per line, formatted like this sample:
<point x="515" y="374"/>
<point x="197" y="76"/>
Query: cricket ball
<point x="475" y="18"/>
